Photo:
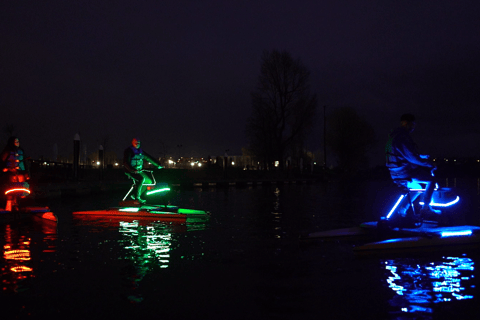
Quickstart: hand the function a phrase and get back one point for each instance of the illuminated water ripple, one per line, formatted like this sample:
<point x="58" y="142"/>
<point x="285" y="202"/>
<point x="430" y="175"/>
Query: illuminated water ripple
<point x="419" y="285"/>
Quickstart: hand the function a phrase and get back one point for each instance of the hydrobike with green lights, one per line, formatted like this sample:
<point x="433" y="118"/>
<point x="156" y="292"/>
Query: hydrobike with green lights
<point x="133" y="209"/>
<point x="14" y="209"/>
<point x="405" y="228"/>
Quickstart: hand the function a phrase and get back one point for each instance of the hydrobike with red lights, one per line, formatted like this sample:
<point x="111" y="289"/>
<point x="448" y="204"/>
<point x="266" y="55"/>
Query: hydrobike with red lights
<point x="155" y="212"/>
<point x="17" y="190"/>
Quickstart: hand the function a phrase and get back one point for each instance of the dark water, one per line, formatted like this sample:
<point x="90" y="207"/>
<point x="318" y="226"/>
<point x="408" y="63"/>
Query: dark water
<point x="247" y="262"/>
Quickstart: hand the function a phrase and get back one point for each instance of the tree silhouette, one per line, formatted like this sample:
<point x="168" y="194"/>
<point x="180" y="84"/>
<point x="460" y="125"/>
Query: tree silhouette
<point x="282" y="107"/>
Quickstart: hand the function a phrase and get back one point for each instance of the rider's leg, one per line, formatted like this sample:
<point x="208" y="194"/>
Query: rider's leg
<point x="21" y="177"/>
<point x="141" y="186"/>
<point x="427" y="197"/>
<point x="423" y="175"/>
<point x="140" y="190"/>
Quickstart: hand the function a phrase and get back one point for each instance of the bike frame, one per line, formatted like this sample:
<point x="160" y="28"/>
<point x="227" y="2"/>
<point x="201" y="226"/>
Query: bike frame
<point x="154" y="182"/>
<point x="412" y="191"/>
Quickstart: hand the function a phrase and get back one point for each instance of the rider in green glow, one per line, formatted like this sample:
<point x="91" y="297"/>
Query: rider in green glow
<point x="133" y="158"/>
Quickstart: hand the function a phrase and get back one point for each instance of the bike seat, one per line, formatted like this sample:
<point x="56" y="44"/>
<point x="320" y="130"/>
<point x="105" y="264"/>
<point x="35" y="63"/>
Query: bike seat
<point x="409" y="184"/>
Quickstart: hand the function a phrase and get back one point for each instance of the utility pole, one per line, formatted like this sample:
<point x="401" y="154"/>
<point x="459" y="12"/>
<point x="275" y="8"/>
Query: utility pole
<point x="76" y="155"/>
<point x="324" y="138"/>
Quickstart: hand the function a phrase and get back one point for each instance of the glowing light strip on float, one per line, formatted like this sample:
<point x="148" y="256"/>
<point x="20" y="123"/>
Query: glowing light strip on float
<point x="395" y="206"/>
<point x="18" y="189"/>
<point x="190" y="211"/>
<point x="456" y="233"/>
<point x="448" y="204"/>
<point x="132" y="209"/>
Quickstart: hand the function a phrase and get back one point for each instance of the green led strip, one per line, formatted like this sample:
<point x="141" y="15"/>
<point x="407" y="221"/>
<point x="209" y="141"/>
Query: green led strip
<point x="157" y="191"/>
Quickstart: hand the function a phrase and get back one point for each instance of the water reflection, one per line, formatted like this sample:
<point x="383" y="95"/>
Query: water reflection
<point x="420" y="285"/>
<point x="277" y="215"/>
<point x="147" y="245"/>
<point x="20" y="239"/>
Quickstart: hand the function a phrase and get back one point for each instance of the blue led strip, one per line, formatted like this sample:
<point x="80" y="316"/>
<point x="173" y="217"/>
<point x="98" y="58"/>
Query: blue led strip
<point x="395" y="206"/>
<point x="448" y="204"/>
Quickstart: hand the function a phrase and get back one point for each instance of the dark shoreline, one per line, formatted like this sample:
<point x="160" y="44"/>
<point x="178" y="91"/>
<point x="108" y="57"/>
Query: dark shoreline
<point x="59" y="182"/>
<point x="82" y="188"/>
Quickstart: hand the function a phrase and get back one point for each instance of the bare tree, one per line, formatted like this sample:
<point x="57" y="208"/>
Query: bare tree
<point x="282" y="107"/>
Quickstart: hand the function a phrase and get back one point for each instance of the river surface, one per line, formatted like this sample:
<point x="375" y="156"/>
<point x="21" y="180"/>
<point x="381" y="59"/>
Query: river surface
<point x="248" y="261"/>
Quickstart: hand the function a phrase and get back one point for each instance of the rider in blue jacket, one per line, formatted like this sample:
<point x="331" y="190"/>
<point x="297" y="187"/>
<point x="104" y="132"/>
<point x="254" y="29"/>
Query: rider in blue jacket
<point x="405" y="163"/>
<point x="133" y="158"/>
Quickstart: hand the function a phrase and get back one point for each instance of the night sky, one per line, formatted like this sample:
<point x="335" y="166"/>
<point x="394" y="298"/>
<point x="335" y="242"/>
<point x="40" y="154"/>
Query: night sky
<point x="181" y="72"/>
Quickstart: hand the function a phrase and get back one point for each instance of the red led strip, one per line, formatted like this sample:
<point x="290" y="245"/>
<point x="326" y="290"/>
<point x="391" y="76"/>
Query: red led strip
<point x="17" y="189"/>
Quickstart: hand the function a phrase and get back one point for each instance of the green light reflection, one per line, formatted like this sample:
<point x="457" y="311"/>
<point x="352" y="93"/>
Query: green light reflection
<point x="147" y="243"/>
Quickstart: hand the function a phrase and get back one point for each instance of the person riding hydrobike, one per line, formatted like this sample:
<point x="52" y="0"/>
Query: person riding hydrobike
<point x="133" y="158"/>
<point x="406" y="164"/>
<point x="13" y="162"/>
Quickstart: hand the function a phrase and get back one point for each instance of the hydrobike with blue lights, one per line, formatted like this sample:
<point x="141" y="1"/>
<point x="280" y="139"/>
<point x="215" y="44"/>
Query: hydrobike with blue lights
<point x="14" y="191"/>
<point x="404" y="226"/>
<point x="133" y="209"/>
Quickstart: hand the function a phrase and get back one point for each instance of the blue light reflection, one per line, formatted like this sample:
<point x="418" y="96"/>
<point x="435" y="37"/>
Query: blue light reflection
<point x="420" y="285"/>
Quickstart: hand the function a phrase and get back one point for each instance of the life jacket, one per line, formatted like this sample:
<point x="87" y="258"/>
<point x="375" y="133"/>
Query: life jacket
<point x="137" y="159"/>
<point x="399" y="167"/>
<point x="15" y="160"/>
<point x="393" y="159"/>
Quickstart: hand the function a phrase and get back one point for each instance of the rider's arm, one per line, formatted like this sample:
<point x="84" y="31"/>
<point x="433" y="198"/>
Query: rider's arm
<point x="127" y="157"/>
<point x="152" y="160"/>
<point x="409" y="152"/>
